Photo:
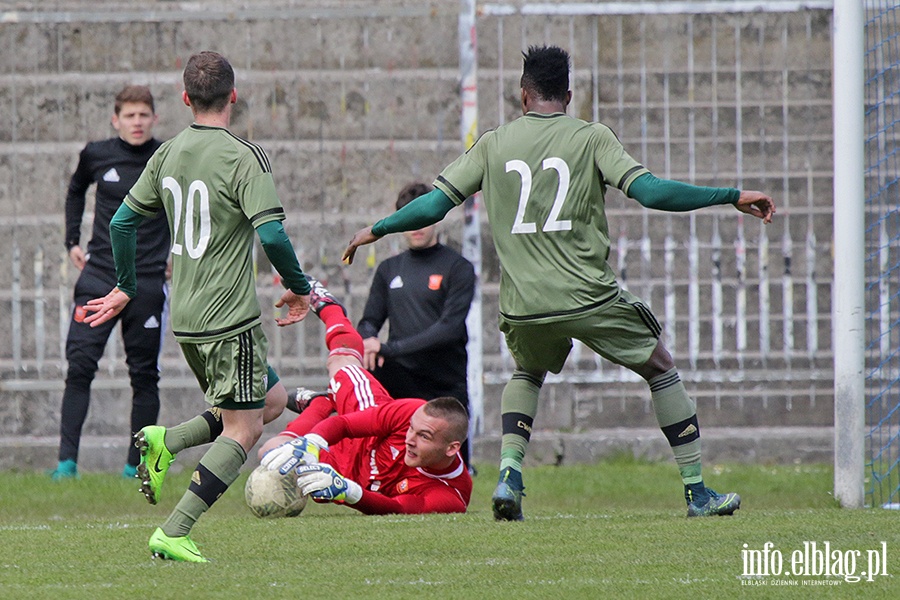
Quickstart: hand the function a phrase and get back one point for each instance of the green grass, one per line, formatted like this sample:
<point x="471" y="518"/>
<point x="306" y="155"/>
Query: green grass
<point x="614" y="530"/>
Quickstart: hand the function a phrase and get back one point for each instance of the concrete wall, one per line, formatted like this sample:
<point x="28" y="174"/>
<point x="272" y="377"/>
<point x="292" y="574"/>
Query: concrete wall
<point x="354" y="99"/>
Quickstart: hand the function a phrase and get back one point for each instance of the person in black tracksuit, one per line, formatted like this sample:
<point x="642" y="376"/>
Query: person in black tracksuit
<point x="114" y="165"/>
<point x="425" y="294"/>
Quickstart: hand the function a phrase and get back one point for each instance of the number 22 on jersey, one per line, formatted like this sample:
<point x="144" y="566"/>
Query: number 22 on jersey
<point x="553" y="222"/>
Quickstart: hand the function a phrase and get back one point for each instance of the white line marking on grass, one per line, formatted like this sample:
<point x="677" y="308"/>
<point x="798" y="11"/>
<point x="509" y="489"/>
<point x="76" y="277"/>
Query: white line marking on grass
<point x="559" y="516"/>
<point x="396" y="582"/>
<point x="691" y="580"/>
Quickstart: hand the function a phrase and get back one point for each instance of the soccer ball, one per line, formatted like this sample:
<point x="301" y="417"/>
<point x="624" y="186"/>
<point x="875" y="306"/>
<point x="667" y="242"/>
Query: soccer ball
<point x="270" y="495"/>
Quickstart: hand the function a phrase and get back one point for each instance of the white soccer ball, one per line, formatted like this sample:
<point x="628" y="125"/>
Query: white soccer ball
<point x="270" y="495"/>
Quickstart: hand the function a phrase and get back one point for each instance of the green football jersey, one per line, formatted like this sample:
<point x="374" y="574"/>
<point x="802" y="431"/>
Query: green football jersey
<point x="215" y="188"/>
<point x="543" y="179"/>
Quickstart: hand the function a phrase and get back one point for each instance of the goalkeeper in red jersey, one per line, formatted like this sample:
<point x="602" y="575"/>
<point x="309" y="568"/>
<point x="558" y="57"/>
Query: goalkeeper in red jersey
<point x="377" y="454"/>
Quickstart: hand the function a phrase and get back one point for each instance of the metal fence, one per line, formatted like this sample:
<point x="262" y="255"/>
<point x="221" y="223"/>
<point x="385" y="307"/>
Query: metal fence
<point x="353" y="100"/>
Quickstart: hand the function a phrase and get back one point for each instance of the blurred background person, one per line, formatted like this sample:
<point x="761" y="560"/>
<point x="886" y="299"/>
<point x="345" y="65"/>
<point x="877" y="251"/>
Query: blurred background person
<point x="424" y="293"/>
<point x="114" y="165"/>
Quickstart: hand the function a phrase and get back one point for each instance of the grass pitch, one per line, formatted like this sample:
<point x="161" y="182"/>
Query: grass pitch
<point x="613" y="530"/>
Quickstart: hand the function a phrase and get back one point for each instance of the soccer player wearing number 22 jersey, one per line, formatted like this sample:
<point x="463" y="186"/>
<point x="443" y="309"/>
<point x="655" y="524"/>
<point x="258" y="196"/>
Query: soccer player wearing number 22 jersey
<point x="544" y="178"/>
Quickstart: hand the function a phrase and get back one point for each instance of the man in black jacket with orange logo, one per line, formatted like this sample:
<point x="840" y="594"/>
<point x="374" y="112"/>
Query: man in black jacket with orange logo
<point x="425" y="294"/>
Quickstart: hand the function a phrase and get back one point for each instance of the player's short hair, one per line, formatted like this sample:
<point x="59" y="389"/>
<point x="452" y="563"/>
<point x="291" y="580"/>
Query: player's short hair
<point x="134" y="93"/>
<point x="451" y="410"/>
<point x="545" y="72"/>
<point x="410" y="192"/>
<point x="208" y="81"/>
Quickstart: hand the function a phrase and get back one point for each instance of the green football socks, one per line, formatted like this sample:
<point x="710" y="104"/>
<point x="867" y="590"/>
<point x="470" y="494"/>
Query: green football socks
<point x="202" y="429"/>
<point x="518" y="407"/>
<point x="676" y="414"/>
<point x="218" y="469"/>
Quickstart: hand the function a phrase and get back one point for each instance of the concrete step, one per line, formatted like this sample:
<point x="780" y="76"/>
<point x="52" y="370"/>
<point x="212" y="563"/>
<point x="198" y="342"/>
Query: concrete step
<point x="30" y="407"/>
<point x="756" y="445"/>
<point x="776" y="445"/>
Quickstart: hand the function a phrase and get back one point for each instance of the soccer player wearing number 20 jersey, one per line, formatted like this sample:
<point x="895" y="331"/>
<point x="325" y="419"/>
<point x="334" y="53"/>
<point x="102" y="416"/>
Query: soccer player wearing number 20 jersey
<point x="217" y="192"/>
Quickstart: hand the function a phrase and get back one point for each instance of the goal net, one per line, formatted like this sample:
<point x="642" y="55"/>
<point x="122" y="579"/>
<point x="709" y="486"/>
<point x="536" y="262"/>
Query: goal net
<point x="882" y="123"/>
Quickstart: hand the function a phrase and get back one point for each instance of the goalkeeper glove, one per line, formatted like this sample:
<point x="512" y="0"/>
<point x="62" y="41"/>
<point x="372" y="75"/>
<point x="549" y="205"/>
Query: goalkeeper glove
<point x="324" y="484"/>
<point x="301" y="451"/>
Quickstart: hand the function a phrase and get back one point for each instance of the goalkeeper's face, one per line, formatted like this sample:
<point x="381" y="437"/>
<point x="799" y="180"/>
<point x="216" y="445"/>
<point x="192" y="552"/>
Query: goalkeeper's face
<point x="427" y="442"/>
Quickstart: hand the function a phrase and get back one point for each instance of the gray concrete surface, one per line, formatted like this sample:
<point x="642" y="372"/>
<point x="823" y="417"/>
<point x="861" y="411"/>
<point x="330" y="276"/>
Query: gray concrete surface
<point x="352" y="105"/>
<point x="766" y="445"/>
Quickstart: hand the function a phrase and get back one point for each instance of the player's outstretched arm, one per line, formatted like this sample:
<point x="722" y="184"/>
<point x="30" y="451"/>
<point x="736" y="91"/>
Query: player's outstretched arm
<point x="280" y="251"/>
<point x="299" y="451"/>
<point x="425" y="210"/>
<point x="675" y="196"/>
<point x="360" y="238"/>
<point x="298" y="308"/>
<point x="323" y="484"/>
<point x="756" y="204"/>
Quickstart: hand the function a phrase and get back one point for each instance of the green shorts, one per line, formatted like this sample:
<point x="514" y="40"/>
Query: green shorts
<point x="625" y="332"/>
<point x="233" y="372"/>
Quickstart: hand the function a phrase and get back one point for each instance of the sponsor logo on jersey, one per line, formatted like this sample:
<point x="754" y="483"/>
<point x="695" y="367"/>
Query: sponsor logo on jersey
<point x="434" y="281"/>
<point x="111" y="175"/>
<point x="80" y="314"/>
<point x="396" y="283"/>
<point x="151" y="323"/>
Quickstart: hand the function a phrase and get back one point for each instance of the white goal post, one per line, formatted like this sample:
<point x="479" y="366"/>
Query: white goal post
<point x="849" y="242"/>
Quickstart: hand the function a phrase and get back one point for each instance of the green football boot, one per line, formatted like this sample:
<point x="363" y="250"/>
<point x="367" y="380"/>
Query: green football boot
<point x="714" y="505"/>
<point x="174" y="548"/>
<point x="507" y="498"/>
<point x="155" y="460"/>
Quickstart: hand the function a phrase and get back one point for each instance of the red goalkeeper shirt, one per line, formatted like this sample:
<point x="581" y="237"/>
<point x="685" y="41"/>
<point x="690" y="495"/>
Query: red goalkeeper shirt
<point x="377" y="464"/>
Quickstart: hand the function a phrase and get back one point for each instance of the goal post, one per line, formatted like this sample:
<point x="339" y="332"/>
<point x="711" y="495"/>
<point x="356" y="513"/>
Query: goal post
<point x="849" y="229"/>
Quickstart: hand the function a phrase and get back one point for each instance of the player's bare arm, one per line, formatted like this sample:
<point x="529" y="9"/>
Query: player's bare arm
<point x="756" y="204"/>
<point x="298" y="308"/>
<point x="107" y="307"/>
<point x="360" y="238"/>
